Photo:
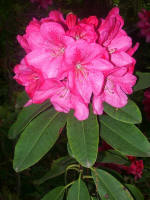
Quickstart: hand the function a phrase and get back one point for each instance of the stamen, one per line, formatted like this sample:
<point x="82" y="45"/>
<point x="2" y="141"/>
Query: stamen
<point x="78" y="66"/>
<point x="111" y="50"/>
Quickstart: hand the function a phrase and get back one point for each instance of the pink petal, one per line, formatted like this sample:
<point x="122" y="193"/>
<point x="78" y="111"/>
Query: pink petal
<point x="61" y="101"/>
<point x="48" y="88"/>
<point x="120" y="43"/>
<point x="28" y="103"/>
<point x="42" y="60"/>
<point x="97" y="81"/>
<point x="23" y="42"/>
<point x="50" y="30"/>
<point x="115" y="96"/>
<point x="56" y="16"/>
<point x="81" y="109"/>
<point x="97" y="105"/>
<point x="83" y="86"/>
<point x="99" y="64"/>
<point x="121" y="59"/>
<point x="71" y="20"/>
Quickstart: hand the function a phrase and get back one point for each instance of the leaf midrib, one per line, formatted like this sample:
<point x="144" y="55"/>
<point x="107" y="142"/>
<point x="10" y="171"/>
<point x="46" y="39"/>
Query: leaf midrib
<point x="36" y="141"/>
<point x="123" y="137"/>
<point x="107" y="188"/>
<point x="127" y="115"/>
<point x="84" y="141"/>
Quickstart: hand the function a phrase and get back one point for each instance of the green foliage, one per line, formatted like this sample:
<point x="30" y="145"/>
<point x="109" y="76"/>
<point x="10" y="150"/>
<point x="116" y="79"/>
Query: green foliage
<point x="135" y="192"/>
<point x="129" y="114"/>
<point x="83" y="138"/>
<point x="113" y="156"/>
<point x="126" y="138"/>
<point x="58" y="167"/>
<point x="56" y="194"/>
<point x="108" y="187"/>
<point x="143" y="81"/>
<point x="38" y="138"/>
<point x="78" y="191"/>
<point x="25" y="117"/>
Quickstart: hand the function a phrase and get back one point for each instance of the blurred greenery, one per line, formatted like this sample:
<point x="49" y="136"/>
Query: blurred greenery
<point x="14" y="16"/>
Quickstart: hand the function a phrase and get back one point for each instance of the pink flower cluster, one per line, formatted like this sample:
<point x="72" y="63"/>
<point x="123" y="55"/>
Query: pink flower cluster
<point x="135" y="168"/>
<point x="146" y="103"/>
<point x="74" y="62"/>
<point x="43" y="3"/>
<point x="144" y="24"/>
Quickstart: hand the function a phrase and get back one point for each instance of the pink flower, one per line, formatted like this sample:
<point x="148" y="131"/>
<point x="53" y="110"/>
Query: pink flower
<point x="71" y="20"/>
<point x="146" y="103"/>
<point x="83" y="29"/>
<point x="32" y="39"/>
<point x="115" y="39"/>
<point x="84" y="67"/>
<point x="61" y="97"/>
<point x="136" y="168"/>
<point x="29" y="77"/>
<point x="118" y="83"/>
<point x="110" y="27"/>
<point x="144" y="24"/>
<point x="77" y="61"/>
<point x="49" y="57"/>
<point x="43" y="3"/>
<point x="92" y="20"/>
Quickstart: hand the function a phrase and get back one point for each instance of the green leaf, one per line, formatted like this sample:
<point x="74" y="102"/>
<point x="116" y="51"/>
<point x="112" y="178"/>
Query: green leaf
<point x="25" y="117"/>
<point x="37" y="139"/>
<point x="78" y="191"/>
<point x="83" y="138"/>
<point x="129" y="114"/>
<point x="126" y="138"/>
<point x="58" y="167"/>
<point x="143" y="81"/>
<point x="69" y="151"/>
<point x="108" y="187"/>
<point x="113" y="156"/>
<point x="55" y="194"/>
<point x="135" y="192"/>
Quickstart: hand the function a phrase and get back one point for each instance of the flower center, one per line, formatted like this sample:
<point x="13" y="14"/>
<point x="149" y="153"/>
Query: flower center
<point x="58" y="51"/>
<point x="111" y="50"/>
<point x="110" y="86"/>
<point x="78" y="66"/>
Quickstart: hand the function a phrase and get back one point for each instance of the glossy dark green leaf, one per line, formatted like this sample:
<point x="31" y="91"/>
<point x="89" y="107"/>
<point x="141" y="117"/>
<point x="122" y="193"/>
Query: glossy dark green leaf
<point x="55" y="194"/>
<point x="143" y="81"/>
<point x="83" y="138"/>
<point x="94" y="198"/>
<point x="78" y="191"/>
<point x="135" y="192"/>
<point x="38" y="138"/>
<point x="58" y="167"/>
<point x="129" y="114"/>
<point x="69" y="151"/>
<point x="109" y="187"/>
<point x="113" y="156"/>
<point x="26" y="115"/>
<point x="126" y="138"/>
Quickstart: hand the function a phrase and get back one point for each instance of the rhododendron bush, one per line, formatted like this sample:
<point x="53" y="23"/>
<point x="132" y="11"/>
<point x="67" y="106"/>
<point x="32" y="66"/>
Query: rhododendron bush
<point x="79" y="74"/>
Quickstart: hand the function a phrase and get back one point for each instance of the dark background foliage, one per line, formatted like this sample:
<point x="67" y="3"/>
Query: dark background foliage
<point x="14" y="17"/>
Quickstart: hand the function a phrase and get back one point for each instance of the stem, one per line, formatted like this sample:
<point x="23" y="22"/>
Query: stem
<point x="69" y="184"/>
<point x="88" y="177"/>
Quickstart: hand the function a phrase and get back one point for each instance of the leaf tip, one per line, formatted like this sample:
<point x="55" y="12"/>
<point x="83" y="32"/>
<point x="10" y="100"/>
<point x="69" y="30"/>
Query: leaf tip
<point x="88" y="164"/>
<point x="16" y="169"/>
